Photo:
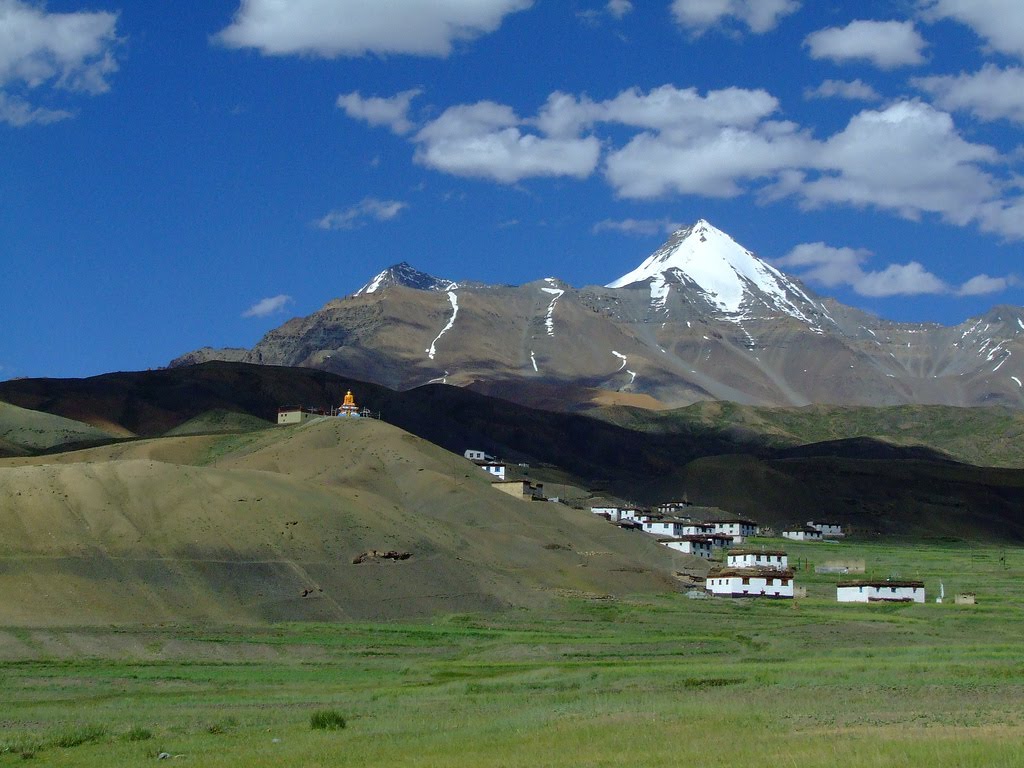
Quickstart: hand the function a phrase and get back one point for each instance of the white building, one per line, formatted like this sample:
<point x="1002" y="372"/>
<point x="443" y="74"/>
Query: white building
<point x="880" y="591"/>
<point x="830" y="530"/>
<point x="674" y="508"/>
<point x="493" y="468"/>
<point x="294" y="414"/>
<point x="617" y="514"/>
<point x="738" y="529"/>
<point x="757" y="558"/>
<point x="474" y="455"/>
<point x="802" y="533"/>
<point x="750" y="582"/>
<point x="701" y="546"/>
<point x="665" y="526"/>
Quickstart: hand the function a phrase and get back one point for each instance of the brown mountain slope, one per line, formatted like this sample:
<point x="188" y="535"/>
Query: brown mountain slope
<point x="265" y="526"/>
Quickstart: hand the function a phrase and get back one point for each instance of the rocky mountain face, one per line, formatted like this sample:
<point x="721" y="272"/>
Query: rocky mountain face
<point x="702" y="319"/>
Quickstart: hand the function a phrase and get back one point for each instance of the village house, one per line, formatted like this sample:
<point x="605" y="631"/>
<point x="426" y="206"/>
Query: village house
<point x="750" y="582"/>
<point x="617" y="514"/>
<point x="701" y="546"/>
<point x="478" y="456"/>
<point x="801" y="533"/>
<point x="521" y="489"/>
<point x="675" y="508"/>
<point x="665" y="526"/>
<point x="828" y="530"/>
<point x="887" y="591"/>
<point x="739" y="529"/>
<point x="495" y="468"/>
<point x="757" y="558"/>
<point x="295" y="414"/>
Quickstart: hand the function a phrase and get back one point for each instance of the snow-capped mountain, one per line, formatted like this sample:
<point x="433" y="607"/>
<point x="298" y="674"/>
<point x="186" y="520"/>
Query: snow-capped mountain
<point x="404" y="274"/>
<point x="702" y="318"/>
<point x="731" y="279"/>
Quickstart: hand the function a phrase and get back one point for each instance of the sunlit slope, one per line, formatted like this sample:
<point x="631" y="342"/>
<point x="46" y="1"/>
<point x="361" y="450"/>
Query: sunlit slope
<point x="24" y="431"/>
<point x="266" y="526"/>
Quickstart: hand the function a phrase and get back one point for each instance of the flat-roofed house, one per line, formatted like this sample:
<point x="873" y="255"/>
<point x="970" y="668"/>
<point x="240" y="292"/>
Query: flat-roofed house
<point x="801" y="533"/>
<point x="701" y="546"/>
<point x="750" y="582"/>
<point x="886" y="591"/>
<point x="757" y="558"/>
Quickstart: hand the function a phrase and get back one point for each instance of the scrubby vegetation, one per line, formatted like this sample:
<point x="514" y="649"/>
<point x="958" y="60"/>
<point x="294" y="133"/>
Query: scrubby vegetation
<point x="593" y="681"/>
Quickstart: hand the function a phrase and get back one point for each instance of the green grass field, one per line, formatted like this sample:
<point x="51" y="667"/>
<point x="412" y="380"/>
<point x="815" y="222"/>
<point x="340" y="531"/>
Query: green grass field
<point x="649" y="681"/>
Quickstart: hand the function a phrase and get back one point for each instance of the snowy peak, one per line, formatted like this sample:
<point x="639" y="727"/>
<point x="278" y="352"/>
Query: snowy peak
<point x="729" y="277"/>
<point x="405" y="275"/>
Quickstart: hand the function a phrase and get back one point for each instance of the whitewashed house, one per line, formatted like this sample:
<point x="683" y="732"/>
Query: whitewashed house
<point x="720" y="540"/>
<point x="828" y="530"/>
<point x="737" y="528"/>
<point x="802" y="533"/>
<point x="617" y="514"/>
<point x="665" y="526"/>
<point x="865" y="591"/>
<point x="674" y="508"/>
<point x="750" y="582"/>
<point x="698" y="529"/>
<point x="757" y="558"/>
<point x="474" y="455"/>
<point x="701" y="546"/>
<point x="494" y="468"/>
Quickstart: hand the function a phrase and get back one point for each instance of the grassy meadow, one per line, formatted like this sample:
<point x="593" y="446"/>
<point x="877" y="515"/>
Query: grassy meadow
<point x="594" y="681"/>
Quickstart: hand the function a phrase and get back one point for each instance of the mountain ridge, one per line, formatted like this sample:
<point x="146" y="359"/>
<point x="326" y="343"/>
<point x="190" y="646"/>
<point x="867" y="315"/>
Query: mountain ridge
<point x="702" y="318"/>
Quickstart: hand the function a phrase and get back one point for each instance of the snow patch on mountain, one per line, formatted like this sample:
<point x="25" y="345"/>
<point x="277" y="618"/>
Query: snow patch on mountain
<point x="621" y="357"/>
<point x="454" y="299"/>
<point x="549" y="320"/>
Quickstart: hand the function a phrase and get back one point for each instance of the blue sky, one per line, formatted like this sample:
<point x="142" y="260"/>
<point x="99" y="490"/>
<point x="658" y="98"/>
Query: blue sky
<point x="174" y="175"/>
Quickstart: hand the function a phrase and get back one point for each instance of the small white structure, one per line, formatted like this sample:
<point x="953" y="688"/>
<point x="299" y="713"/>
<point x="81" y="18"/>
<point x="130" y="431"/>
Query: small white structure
<point x="750" y="582"/>
<point x="294" y="414"/>
<point x="802" y="533"/>
<point x="757" y="558"/>
<point x="866" y="591"/>
<point x="701" y="546"/>
<point x="494" y="468"/>
<point x="828" y="530"/>
<point x="698" y="529"/>
<point x="735" y="527"/>
<point x="474" y="455"/>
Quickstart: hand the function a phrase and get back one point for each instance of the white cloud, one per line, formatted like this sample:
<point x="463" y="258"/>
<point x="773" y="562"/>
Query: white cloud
<point x="982" y="284"/>
<point x="854" y="90"/>
<point x="18" y="112"/>
<point x="907" y="158"/>
<point x="637" y="226"/>
<point x="999" y="22"/>
<point x="758" y="16"/>
<point x="484" y="140"/>
<point x="332" y="28"/>
<point x="832" y="267"/>
<point x="990" y="94"/>
<point x="268" y="306"/>
<point x="375" y="110"/>
<point x="619" y="8"/>
<point x="67" y="51"/>
<point x="886" y="44"/>
<point x="368" y="209"/>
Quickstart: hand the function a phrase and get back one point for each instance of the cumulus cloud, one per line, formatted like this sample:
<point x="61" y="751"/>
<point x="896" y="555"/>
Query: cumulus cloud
<point x="637" y="226"/>
<point x="375" y="110"/>
<point x="908" y="158"/>
<point x="999" y="22"/>
<point x="832" y="267"/>
<point x="854" y="90"/>
<point x="268" y="306"/>
<point x="759" y="16"/>
<point x="67" y="51"/>
<point x="991" y="93"/>
<point x="332" y="28"/>
<point x="485" y="140"/>
<point x="368" y="209"/>
<point x="886" y="44"/>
